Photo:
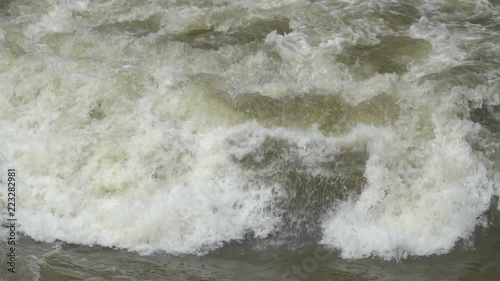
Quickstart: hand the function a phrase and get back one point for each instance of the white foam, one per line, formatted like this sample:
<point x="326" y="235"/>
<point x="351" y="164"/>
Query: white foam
<point x="116" y="204"/>
<point x="58" y="20"/>
<point x="418" y="200"/>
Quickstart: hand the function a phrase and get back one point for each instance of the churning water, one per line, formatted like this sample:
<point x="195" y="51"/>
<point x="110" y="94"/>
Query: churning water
<point x="227" y="140"/>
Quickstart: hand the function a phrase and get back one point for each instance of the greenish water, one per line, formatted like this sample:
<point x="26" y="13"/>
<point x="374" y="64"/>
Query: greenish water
<point x="241" y="261"/>
<point x="251" y="140"/>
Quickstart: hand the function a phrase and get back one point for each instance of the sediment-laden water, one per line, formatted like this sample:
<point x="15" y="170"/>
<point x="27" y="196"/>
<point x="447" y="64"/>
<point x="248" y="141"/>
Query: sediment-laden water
<point x="251" y="140"/>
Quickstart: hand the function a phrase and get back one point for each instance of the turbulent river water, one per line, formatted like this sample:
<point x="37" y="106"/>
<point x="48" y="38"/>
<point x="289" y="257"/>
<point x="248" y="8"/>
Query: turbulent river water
<point x="251" y="140"/>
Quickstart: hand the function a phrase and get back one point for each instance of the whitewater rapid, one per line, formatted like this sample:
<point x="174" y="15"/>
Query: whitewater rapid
<point x="178" y="126"/>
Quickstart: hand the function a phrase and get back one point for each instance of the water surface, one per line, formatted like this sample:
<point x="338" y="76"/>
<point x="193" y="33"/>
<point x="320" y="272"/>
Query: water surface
<point x="236" y="140"/>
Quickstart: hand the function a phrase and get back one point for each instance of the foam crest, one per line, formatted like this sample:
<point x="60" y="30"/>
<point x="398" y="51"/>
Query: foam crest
<point x="191" y="211"/>
<point x="418" y="200"/>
